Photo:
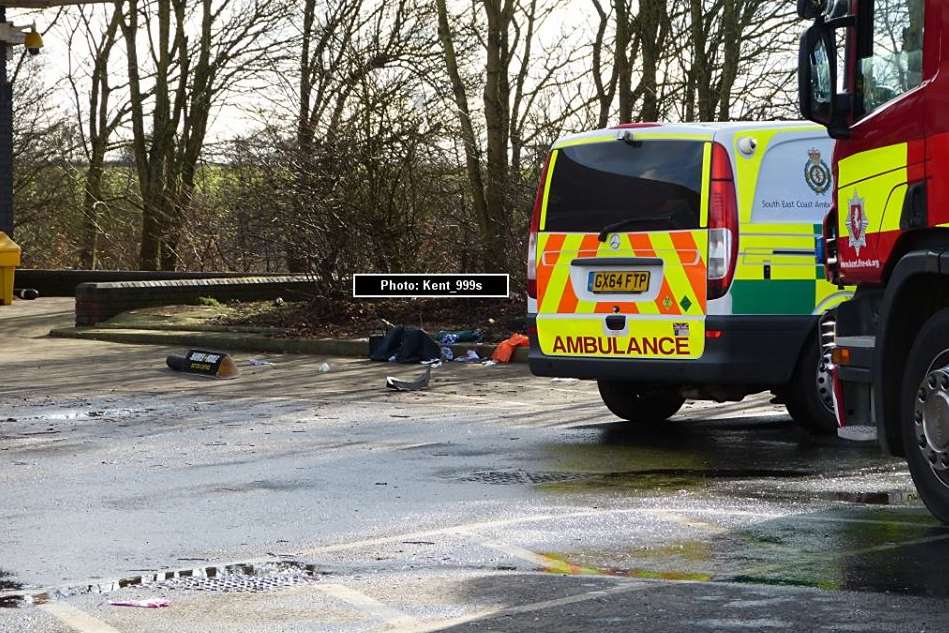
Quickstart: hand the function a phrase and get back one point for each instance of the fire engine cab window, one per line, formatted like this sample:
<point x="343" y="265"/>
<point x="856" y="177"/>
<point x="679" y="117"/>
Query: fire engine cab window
<point x="896" y="66"/>
<point x="655" y="185"/>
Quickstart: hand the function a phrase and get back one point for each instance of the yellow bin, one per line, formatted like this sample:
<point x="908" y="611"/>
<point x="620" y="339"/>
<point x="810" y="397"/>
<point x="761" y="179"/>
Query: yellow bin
<point x="9" y="260"/>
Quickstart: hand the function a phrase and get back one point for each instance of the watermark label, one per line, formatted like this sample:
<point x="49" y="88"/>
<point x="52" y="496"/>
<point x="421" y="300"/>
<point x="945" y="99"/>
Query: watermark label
<point x="383" y="286"/>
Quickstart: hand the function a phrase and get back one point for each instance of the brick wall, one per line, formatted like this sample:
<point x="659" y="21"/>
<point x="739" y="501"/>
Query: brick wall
<point x="98" y="302"/>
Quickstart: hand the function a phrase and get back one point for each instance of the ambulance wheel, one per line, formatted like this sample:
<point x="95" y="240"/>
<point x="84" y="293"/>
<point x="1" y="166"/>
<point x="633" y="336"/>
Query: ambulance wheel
<point x="924" y="414"/>
<point x="809" y="398"/>
<point x="626" y="402"/>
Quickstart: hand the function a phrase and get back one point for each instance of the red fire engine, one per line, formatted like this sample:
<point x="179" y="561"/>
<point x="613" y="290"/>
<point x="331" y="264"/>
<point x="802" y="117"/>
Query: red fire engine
<point x="876" y="73"/>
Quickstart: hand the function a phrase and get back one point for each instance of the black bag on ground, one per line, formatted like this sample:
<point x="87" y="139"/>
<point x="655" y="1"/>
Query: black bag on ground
<point x="408" y="345"/>
<point x="383" y="350"/>
<point x="418" y="346"/>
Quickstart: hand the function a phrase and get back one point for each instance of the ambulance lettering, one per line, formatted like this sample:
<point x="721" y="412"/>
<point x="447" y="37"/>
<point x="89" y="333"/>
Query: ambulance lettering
<point x="611" y="346"/>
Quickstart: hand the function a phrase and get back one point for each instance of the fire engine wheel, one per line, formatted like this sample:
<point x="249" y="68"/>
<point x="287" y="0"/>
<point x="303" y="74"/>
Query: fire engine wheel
<point x="627" y="401"/>
<point x="925" y="414"/>
<point x="809" y="398"/>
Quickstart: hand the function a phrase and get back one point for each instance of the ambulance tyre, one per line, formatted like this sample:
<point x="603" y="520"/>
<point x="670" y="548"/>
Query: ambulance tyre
<point x="808" y="397"/>
<point x="626" y="402"/>
<point x="924" y="414"/>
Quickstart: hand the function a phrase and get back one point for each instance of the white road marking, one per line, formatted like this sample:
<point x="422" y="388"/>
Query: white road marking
<point x="686" y="521"/>
<point x="590" y="595"/>
<point x="429" y="627"/>
<point x="477" y="526"/>
<point x="439" y="625"/>
<point x="368" y="605"/>
<point x="76" y="619"/>
<point x="500" y="523"/>
<point x="513" y="551"/>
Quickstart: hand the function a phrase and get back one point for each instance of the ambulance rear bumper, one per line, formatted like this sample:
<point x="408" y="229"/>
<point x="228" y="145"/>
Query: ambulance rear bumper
<point x="752" y="350"/>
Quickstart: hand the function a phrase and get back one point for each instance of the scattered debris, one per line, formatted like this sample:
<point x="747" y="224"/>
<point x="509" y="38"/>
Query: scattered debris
<point x="278" y="301"/>
<point x="213" y="364"/>
<point x="405" y="345"/>
<point x="447" y="354"/>
<point x="256" y="362"/>
<point x="326" y="368"/>
<point x="470" y="357"/>
<point x="565" y="381"/>
<point x="154" y="603"/>
<point x="462" y="336"/>
<point x="505" y="349"/>
<point x="410" y="385"/>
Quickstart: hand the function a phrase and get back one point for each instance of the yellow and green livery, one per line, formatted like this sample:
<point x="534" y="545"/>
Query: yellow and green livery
<point x="672" y="261"/>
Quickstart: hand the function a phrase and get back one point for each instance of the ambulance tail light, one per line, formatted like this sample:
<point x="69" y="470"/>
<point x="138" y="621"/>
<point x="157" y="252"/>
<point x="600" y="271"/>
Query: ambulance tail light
<point x="535" y="227"/>
<point x="722" y="225"/>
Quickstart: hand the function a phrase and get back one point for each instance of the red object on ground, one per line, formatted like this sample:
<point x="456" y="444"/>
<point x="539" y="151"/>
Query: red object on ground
<point x="505" y="349"/>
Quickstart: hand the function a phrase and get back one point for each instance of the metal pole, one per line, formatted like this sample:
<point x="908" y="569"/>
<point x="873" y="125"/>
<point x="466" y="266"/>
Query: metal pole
<point x="6" y="140"/>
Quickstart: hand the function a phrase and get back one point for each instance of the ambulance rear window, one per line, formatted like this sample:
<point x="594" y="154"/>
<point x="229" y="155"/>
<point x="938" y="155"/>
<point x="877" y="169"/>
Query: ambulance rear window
<point x="656" y="185"/>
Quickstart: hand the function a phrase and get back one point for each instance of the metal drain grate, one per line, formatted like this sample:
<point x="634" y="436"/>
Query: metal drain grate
<point x="235" y="583"/>
<point x="238" y="578"/>
<point x="521" y="477"/>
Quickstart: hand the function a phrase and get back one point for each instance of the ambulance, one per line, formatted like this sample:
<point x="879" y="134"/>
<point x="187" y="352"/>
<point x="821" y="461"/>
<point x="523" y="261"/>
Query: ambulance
<point x="681" y="261"/>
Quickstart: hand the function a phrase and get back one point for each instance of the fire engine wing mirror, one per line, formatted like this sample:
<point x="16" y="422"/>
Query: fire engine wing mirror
<point x="823" y="9"/>
<point x="810" y="9"/>
<point x="817" y="81"/>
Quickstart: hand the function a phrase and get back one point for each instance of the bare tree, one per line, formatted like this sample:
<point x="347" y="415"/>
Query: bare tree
<point x="689" y="59"/>
<point x="187" y="81"/>
<point x="506" y="32"/>
<point x="98" y="116"/>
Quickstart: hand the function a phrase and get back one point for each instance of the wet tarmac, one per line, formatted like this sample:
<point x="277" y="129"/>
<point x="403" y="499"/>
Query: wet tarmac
<point x="290" y="500"/>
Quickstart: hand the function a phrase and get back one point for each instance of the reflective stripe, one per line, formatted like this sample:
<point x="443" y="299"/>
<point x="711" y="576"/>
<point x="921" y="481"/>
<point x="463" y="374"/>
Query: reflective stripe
<point x="683" y="286"/>
<point x="560" y="274"/>
<point x="550" y="179"/>
<point x="642" y="134"/>
<point x="706" y="184"/>
<point x="591" y="246"/>
<point x="872" y="163"/>
<point x="548" y="245"/>
<point x="695" y="271"/>
<point x="877" y="179"/>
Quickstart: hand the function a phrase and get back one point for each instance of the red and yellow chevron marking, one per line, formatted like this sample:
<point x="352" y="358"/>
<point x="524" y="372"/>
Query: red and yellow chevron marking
<point x="683" y="290"/>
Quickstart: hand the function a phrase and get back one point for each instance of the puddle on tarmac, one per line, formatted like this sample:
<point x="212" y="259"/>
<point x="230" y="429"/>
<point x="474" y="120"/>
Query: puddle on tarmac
<point x="248" y="577"/>
<point x="664" y="480"/>
<point x="709" y="445"/>
<point x="872" y="551"/>
<point x="561" y="565"/>
<point x="738" y="458"/>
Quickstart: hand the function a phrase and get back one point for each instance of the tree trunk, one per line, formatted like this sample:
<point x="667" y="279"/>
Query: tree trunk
<point x="469" y="140"/>
<point x="653" y="27"/>
<point x="621" y="60"/>
<point x="91" y="201"/>
<point x="496" y="109"/>
<point x="732" y="46"/>
<point x="700" y="63"/>
<point x="605" y="90"/>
